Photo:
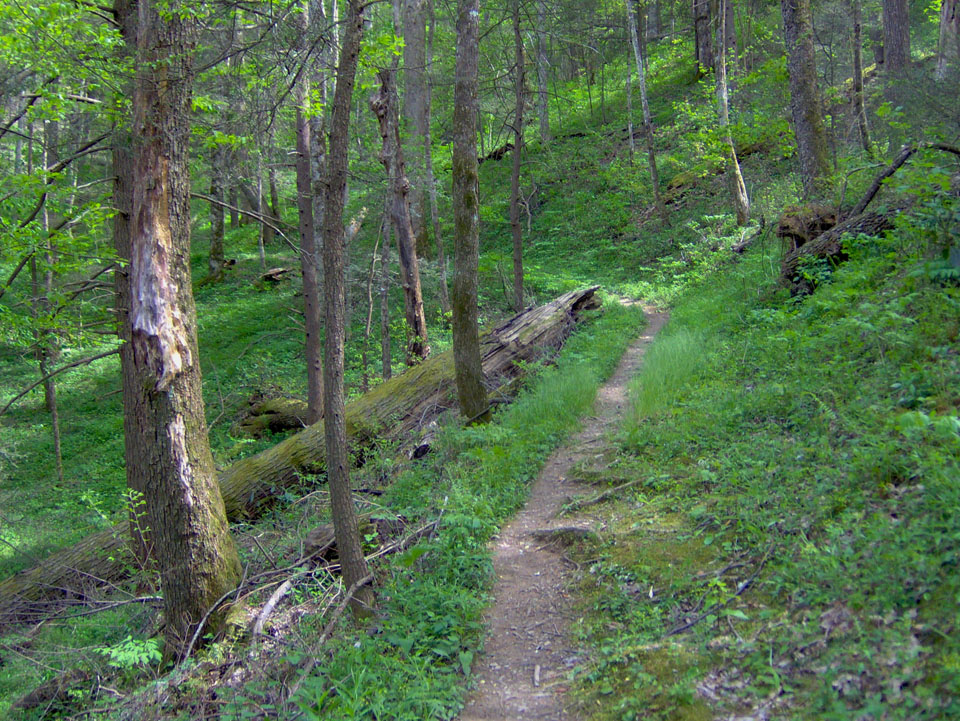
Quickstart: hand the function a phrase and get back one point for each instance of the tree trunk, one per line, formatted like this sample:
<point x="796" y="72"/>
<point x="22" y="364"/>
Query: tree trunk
<point x="396" y="411"/>
<point x="543" y="105"/>
<point x="738" y="190"/>
<point x="948" y="55"/>
<point x="896" y="35"/>
<point x="631" y="143"/>
<point x="384" y="105"/>
<point x="415" y="108"/>
<point x="335" y="423"/>
<point x="191" y="541"/>
<point x="466" y="218"/>
<point x="647" y="125"/>
<point x="804" y="98"/>
<point x="858" y="107"/>
<point x="216" y="260"/>
<point x="515" y="227"/>
<point x="386" y="361"/>
<point x="431" y="181"/>
<point x="703" y="37"/>
<point x="309" y="250"/>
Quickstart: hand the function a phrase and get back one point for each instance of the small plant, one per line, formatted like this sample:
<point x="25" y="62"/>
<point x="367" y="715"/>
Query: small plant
<point x="132" y="655"/>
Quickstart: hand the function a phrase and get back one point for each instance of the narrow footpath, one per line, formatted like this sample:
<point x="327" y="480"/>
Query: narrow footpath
<point x="522" y="673"/>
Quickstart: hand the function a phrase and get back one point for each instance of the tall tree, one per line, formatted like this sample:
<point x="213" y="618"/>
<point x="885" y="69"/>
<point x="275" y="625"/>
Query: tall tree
<point x="415" y="108"/>
<point x="948" y="53"/>
<point x="466" y="219"/>
<point x="192" y="546"/>
<point x="309" y="248"/>
<point x="543" y="63"/>
<point x="515" y="226"/>
<point x="647" y="124"/>
<point x="703" y="36"/>
<point x="334" y="240"/>
<point x="431" y="181"/>
<point x="738" y="190"/>
<point x="804" y="98"/>
<point x="896" y="35"/>
<point x="858" y="106"/>
<point x="384" y="105"/>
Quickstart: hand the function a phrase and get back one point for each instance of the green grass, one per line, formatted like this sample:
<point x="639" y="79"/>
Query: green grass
<point x="816" y="443"/>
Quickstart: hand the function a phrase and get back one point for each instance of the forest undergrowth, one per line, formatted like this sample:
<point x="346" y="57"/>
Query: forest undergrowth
<point x="788" y="543"/>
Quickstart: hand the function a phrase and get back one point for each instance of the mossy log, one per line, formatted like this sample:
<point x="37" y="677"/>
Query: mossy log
<point x="273" y="415"/>
<point x="829" y="246"/>
<point x="397" y="410"/>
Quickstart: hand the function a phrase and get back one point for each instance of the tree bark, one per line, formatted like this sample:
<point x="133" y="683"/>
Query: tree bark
<point x="335" y="426"/>
<point x="385" y="106"/>
<point x="647" y="124"/>
<point x="466" y="218"/>
<point x="415" y="108"/>
<point x="515" y="227"/>
<point x="309" y="250"/>
<point x="216" y="260"/>
<point x="804" y="98"/>
<point x="896" y="35"/>
<point x="703" y="37"/>
<point x="738" y="190"/>
<point x="543" y="104"/>
<point x="195" y="554"/>
<point x="948" y="53"/>
<point x="858" y="107"/>
<point x="398" y="410"/>
<point x="386" y="361"/>
<point x="431" y="181"/>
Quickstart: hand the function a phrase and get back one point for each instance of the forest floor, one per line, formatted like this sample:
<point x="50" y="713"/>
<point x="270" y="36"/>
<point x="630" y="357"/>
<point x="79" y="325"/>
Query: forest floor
<point x="529" y="654"/>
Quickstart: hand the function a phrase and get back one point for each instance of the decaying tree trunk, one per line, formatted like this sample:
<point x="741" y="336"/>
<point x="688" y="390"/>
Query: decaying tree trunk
<point x="385" y="106"/>
<point x="397" y="410"/>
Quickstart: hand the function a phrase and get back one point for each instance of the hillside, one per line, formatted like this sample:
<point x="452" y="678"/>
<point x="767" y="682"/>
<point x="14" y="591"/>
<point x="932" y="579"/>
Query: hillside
<point x="767" y="529"/>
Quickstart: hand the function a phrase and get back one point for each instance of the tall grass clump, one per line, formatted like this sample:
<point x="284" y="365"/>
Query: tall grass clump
<point x="668" y="366"/>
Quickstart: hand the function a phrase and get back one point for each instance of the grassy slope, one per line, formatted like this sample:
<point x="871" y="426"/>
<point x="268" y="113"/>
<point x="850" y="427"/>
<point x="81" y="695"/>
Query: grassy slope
<point x="813" y="449"/>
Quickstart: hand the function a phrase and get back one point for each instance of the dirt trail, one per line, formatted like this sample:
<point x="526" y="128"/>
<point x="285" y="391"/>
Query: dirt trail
<point x="522" y="672"/>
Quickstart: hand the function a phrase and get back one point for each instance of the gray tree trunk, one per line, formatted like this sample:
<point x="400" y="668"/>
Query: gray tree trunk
<point x="948" y="55"/>
<point x="543" y="64"/>
<point x="896" y="35"/>
<point x="858" y="107"/>
<point x="738" y="189"/>
<point x="647" y="124"/>
<point x="415" y="108"/>
<point x="804" y="98"/>
<point x="515" y="227"/>
<point x="466" y="338"/>
<point x="431" y="181"/>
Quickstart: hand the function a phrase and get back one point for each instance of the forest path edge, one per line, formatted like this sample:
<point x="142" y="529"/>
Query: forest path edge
<point x="523" y="669"/>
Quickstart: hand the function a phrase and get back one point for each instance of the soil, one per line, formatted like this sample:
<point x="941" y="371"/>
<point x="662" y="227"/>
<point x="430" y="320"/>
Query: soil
<point x="523" y="671"/>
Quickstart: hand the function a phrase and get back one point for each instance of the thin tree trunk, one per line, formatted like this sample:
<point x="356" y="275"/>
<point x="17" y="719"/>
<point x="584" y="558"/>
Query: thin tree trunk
<point x="335" y="431"/>
<point x="364" y="351"/>
<point x="466" y="337"/>
<point x="804" y="98"/>
<point x="543" y="101"/>
<point x="738" y="189"/>
<point x="515" y="226"/>
<point x="309" y="250"/>
<point x="216" y="260"/>
<point x="386" y="361"/>
<point x="191" y="541"/>
<point x="647" y="125"/>
<point x="858" y="107"/>
<point x="631" y="144"/>
<point x="431" y="181"/>
<point x="384" y="105"/>
<point x="413" y="27"/>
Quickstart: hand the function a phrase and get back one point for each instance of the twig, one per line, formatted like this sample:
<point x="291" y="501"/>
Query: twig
<point x="51" y="374"/>
<point x="270" y="605"/>
<point x="577" y="505"/>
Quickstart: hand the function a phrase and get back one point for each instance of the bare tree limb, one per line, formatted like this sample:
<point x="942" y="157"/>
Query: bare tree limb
<point x="61" y="369"/>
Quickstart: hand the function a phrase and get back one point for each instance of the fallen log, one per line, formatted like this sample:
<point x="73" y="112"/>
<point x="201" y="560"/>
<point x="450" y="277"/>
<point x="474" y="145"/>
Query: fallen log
<point x="273" y="415"/>
<point x="397" y="410"/>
